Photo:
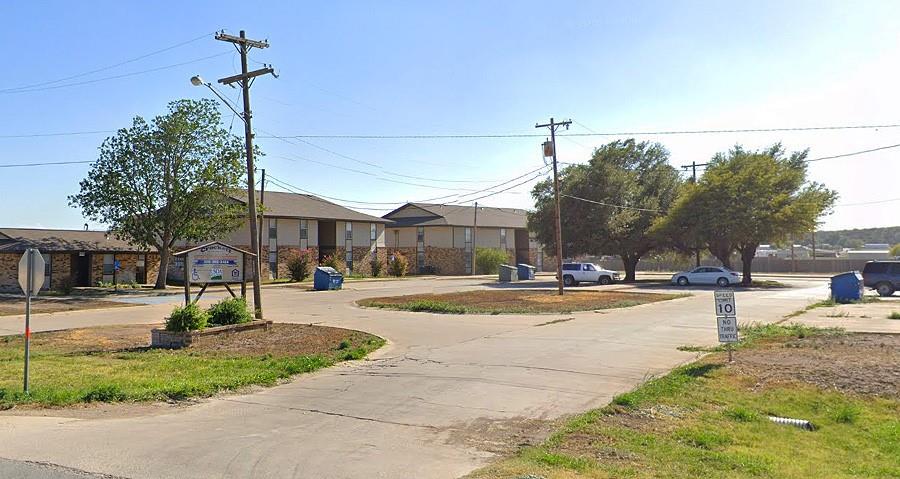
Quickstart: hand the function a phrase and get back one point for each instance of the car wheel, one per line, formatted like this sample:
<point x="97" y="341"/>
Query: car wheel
<point x="569" y="280"/>
<point x="604" y="280"/>
<point x="682" y="281"/>
<point x="722" y="282"/>
<point x="884" y="289"/>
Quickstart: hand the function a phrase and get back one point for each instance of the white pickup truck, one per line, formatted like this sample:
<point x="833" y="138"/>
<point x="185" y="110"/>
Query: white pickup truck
<point x="574" y="273"/>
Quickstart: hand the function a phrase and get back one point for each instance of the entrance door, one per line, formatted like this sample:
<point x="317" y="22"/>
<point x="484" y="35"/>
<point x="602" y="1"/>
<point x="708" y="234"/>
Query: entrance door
<point x="81" y="269"/>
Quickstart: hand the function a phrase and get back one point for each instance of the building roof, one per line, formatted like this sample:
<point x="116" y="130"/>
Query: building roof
<point x="430" y="214"/>
<point x="295" y="205"/>
<point x="17" y="240"/>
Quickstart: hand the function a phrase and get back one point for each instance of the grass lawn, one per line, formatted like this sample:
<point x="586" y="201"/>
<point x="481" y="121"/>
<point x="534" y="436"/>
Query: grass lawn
<point x="518" y="301"/>
<point x="113" y="363"/>
<point x="709" y="419"/>
<point x="13" y="305"/>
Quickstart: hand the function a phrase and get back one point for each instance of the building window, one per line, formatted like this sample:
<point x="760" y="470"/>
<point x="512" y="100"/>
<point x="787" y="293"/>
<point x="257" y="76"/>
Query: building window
<point x="109" y="268"/>
<point x="304" y="234"/>
<point x="396" y="238"/>
<point x="48" y="270"/>
<point x="468" y="249"/>
<point x="373" y="233"/>
<point x="503" y="238"/>
<point x="348" y="244"/>
<point x="420" y="249"/>
<point x="273" y="248"/>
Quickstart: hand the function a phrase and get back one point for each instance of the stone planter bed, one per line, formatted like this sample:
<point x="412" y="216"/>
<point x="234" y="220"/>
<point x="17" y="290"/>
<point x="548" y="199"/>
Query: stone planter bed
<point x="160" y="338"/>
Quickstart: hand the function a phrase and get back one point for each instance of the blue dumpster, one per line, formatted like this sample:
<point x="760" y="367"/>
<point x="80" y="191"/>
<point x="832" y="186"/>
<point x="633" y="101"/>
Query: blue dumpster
<point x="326" y="278"/>
<point x="526" y="271"/>
<point x="847" y="287"/>
<point x="508" y="273"/>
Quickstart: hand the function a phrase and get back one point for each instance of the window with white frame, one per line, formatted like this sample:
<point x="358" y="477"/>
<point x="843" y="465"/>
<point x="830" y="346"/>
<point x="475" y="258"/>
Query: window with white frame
<point x="109" y="268"/>
<point x="48" y="270"/>
<point x="420" y="249"/>
<point x="503" y="239"/>
<point x="273" y="248"/>
<point x="467" y="240"/>
<point x="348" y="244"/>
<point x="304" y="234"/>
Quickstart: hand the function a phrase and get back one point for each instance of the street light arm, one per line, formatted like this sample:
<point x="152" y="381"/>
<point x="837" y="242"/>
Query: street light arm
<point x="225" y="101"/>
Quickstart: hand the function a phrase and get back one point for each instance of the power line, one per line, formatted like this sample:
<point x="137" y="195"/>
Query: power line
<point x="612" y="205"/>
<point x="113" y="77"/>
<point x="68" y="133"/>
<point x="842" y="155"/>
<point x="108" y="67"/>
<point x="592" y="133"/>
<point x="50" y="163"/>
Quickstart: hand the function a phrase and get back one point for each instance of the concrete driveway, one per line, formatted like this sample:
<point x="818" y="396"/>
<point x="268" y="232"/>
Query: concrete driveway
<point x="439" y="400"/>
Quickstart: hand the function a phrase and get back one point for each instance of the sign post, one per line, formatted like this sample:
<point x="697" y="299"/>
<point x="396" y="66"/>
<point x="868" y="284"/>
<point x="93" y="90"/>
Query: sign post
<point x="726" y="318"/>
<point x="30" y="281"/>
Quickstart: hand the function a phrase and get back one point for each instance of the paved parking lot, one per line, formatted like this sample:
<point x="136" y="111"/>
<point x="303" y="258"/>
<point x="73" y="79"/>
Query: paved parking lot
<point x="439" y="400"/>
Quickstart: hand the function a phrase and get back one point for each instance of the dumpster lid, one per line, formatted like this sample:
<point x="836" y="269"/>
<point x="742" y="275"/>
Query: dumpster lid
<point x="855" y="274"/>
<point x="507" y="266"/>
<point x="327" y="269"/>
<point x="525" y="265"/>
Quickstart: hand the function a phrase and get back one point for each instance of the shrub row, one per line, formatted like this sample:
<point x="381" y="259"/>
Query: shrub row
<point x="192" y="317"/>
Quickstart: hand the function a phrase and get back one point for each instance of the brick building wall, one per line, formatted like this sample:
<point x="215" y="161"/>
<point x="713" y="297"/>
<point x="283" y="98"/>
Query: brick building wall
<point x="60" y="269"/>
<point x="448" y="261"/>
<point x="9" y="272"/>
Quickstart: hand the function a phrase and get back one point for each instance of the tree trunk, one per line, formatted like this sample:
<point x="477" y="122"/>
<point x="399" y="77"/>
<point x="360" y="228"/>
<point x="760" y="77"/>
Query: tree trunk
<point x="748" y="252"/>
<point x="631" y="263"/>
<point x="163" y="267"/>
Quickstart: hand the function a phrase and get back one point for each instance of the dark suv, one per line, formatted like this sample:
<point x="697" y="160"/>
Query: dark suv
<point x="883" y="276"/>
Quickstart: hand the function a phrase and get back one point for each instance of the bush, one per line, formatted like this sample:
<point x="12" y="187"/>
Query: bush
<point x="300" y="266"/>
<point x="230" y="311"/>
<point x="187" y="318"/>
<point x="488" y="260"/>
<point x="377" y="267"/>
<point x="66" y="285"/>
<point x="334" y="262"/>
<point x="398" y="265"/>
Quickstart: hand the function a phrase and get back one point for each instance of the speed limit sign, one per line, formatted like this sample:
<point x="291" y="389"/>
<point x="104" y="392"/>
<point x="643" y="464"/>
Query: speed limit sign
<point x="725" y="303"/>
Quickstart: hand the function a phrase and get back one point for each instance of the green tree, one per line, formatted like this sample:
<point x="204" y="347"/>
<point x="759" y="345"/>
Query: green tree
<point x="159" y="182"/>
<point x="627" y="184"/>
<point x="746" y="198"/>
<point x="895" y="250"/>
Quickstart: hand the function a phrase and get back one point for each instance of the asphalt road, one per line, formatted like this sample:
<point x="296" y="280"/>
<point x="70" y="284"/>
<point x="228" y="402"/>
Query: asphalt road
<point x="438" y="401"/>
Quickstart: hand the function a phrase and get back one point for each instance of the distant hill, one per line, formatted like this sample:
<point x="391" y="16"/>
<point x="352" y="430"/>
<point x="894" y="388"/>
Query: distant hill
<point x="855" y="238"/>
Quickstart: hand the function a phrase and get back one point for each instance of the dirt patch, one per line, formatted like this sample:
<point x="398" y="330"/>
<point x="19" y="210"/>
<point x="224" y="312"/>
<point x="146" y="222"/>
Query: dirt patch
<point x="280" y="340"/>
<point x="503" y="436"/>
<point x="516" y="301"/>
<point x="855" y="363"/>
<point x="11" y="306"/>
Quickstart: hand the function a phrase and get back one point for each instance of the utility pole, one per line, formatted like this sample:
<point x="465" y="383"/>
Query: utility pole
<point x="245" y="79"/>
<point x="553" y="126"/>
<point x="693" y="166"/>
<point x="262" y="207"/>
<point x="474" y="231"/>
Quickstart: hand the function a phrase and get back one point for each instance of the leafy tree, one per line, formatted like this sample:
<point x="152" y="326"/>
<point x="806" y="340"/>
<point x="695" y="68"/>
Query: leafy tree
<point x="895" y="250"/>
<point x="746" y="198"/>
<point x="628" y="184"/>
<point x="159" y="182"/>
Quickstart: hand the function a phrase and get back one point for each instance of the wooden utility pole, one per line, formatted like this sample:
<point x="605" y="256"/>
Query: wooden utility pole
<point x="553" y="126"/>
<point x="474" y="231"/>
<point x="693" y="166"/>
<point x="245" y="79"/>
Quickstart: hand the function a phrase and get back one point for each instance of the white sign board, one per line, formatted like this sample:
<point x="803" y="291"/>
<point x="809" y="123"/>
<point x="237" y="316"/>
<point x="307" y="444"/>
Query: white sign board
<point x="215" y="263"/>
<point x="728" y="329"/>
<point x="37" y="268"/>
<point x="725" y="303"/>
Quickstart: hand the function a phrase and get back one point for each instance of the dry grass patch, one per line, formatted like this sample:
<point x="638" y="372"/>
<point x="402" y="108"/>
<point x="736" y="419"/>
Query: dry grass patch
<point x="11" y="306"/>
<point x="519" y="301"/>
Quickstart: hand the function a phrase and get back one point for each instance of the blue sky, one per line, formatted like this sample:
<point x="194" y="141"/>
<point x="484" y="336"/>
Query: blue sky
<point x="458" y="68"/>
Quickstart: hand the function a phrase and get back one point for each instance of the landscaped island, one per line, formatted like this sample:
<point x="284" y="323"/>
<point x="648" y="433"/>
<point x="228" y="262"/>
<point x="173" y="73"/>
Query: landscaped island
<point x="514" y="301"/>
<point x="114" y="363"/>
